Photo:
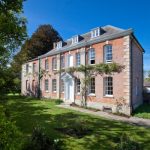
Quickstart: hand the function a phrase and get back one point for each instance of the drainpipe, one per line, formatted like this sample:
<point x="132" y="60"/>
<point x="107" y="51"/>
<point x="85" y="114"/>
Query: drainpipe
<point x="59" y="94"/>
<point x="131" y="77"/>
<point x="39" y="70"/>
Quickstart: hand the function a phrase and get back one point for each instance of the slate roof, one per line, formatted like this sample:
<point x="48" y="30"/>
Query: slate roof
<point x="110" y="32"/>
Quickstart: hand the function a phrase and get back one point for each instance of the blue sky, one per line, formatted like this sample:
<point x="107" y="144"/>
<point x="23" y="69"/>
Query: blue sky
<point x="71" y="17"/>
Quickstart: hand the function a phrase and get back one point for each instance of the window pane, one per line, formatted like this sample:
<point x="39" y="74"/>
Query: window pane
<point x="46" y="64"/>
<point x="46" y="85"/>
<point x="54" y="63"/>
<point x="78" y="85"/>
<point x="108" y="53"/>
<point x="108" y="85"/>
<point x="54" y="85"/>
<point x="92" y="86"/>
<point x="91" y="56"/>
<point x="78" y="59"/>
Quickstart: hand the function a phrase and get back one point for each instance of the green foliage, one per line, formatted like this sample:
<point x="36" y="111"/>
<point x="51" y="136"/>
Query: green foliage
<point x="40" y="42"/>
<point x="40" y="141"/>
<point x="143" y="111"/>
<point x="9" y="133"/>
<point x="12" y="33"/>
<point x="105" y="134"/>
<point x="127" y="144"/>
<point x="92" y="70"/>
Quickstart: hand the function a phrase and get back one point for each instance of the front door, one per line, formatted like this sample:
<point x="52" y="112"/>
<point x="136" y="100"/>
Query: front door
<point x="69" y="90"/>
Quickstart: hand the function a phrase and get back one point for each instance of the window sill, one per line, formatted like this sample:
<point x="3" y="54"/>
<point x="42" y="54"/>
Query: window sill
<point x="91" y="94"/>
<point x="108" y="96"/>
<point x="54" y="69"/>
<point x="108" y="62"/>
<point x="54" y="91"/>
<point x="77" y="93"/>
<point x="46" y="91"/>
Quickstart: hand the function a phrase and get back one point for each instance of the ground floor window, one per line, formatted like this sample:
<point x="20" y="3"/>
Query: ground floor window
<point x="92" y="86"/>
<point x="108" y="86"/>
<point x="78" y="83"/>
<point x="62" y="86"/>
<point x="46" y="85"/>
<point x="54" y="87"/>
<point x="33" y="85"/>
<point x="27" y="84"/>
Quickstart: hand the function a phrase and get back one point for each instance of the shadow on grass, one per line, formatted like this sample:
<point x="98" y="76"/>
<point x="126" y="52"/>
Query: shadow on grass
<point x="29" y="112"/>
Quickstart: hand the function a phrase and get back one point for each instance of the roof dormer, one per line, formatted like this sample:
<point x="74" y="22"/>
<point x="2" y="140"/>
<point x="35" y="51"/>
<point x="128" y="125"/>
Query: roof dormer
<point x="59" y="45"/>
<point x="75" y="39"/>
<point x="95" y="32"/>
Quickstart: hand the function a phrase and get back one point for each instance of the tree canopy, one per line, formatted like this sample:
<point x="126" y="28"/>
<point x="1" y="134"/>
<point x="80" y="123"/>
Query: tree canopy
<point x="12" y="33"/>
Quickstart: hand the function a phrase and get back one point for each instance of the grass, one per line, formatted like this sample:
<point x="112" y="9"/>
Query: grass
<point x="29" y="112"/>
<point x="143" y="111"/>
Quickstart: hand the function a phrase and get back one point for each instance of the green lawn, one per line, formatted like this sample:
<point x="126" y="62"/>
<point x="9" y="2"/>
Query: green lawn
<point x="143" y="111"/>
<point x="27" y="113"/>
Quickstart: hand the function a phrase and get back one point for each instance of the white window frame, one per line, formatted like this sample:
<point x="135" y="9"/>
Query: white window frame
<point x="78" y="59"/>
<point x="46" y="85"/>
<point x="95" y="33"/>
<point x="75" y="39"/>
<point x="46" y="65"/>
<point x="108" y="51"/>
<point x="54" y="85"/>
<point x="90" y="87"/>
<point x="59" y="45"/>
<point x="90" y="56"/>
<point x="54" y="63"/>
<point x="107" y="86"/>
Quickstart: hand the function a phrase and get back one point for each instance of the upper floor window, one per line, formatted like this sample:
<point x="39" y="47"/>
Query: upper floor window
<point x="78" y="83"/>
<point x="108" y="86"/>
<point x="95" y="32"/>
<point x="75" y="39"/>
<point x="54" y="63"/>
<point x="62" y="61"/>
<point x="108" y="53"/>
<point x="34" y="67"/>
<point x="59" y="45"/>
<point x="70" y="60"/>
<point x="77" y="59"/>
<point x="91" y="56"/>
<point x="27" y="68"/>
<point x="92" y="86"/>
<point x="46" y="85"/>
<point x="46" y="64"/>
<point x="54" y="86"/>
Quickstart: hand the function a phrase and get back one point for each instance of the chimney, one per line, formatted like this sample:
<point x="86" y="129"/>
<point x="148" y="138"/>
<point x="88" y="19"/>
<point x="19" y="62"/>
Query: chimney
<point x="54" y="45"/>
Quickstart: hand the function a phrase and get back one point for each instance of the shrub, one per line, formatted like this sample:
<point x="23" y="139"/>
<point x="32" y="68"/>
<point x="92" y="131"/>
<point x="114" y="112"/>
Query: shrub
<point x="127" y="144"/>
<point x="58" y="101"/>
<point x="9" y="134"/>
<point x="40" y="141"/>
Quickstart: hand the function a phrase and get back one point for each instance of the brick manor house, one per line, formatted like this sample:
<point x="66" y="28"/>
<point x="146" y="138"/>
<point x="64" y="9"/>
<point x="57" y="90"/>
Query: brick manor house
<point x="105" y="44"/>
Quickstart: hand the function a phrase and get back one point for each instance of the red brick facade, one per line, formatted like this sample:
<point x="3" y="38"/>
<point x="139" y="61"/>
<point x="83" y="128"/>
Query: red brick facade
<point x="127" y="85"/>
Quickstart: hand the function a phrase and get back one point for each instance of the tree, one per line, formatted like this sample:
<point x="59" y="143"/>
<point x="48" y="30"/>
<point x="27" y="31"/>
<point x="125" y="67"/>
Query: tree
<point x="40" y="42"/>
<point x="12" y="33"/>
